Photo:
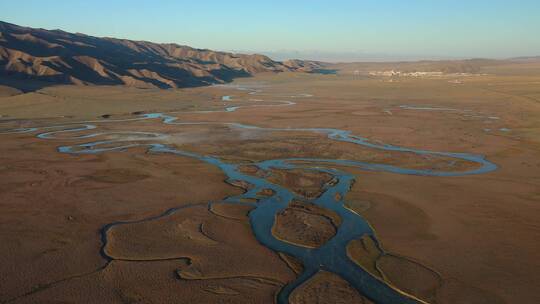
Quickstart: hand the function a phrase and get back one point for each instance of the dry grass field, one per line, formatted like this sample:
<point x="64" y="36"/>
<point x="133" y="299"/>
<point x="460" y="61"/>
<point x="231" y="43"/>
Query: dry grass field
<point x="133" y="226"/>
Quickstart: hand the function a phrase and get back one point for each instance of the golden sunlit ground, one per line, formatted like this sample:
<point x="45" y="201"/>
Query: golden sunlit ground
<point x="464" y="239"/>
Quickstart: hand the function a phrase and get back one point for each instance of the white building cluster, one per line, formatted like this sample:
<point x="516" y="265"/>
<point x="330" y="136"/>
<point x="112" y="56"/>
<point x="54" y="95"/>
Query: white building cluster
<point x="394" y="73"/>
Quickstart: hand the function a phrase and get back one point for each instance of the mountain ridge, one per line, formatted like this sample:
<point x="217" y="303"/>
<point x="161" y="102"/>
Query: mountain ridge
<point x="58" y="56"/>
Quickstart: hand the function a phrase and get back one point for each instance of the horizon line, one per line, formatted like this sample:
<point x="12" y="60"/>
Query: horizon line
<point x="377" y="57"/>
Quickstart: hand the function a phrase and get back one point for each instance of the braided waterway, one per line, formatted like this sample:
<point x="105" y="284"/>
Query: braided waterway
<point x="331" y="256"/>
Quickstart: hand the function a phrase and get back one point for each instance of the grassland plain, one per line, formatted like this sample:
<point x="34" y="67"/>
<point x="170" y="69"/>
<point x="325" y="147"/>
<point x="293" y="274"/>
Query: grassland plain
<point x="465" y="239"/>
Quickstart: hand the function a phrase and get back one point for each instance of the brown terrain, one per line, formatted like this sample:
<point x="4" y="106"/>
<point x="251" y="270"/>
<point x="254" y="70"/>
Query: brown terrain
<point x="326" y="287"/>
<point x="60" y="57"/>
<point x="306" y="224"/>
<point x="136" y="226"/>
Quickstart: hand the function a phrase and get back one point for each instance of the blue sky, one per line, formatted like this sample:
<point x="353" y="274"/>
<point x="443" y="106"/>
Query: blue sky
<point x="459" y="28"/>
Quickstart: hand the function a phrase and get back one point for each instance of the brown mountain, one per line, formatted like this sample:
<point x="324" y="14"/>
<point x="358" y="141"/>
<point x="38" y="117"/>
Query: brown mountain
<point x="60" y="57"/>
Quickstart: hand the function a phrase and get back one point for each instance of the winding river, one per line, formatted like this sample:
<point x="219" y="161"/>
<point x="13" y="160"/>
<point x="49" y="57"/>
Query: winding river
<point x="331" y="256"/>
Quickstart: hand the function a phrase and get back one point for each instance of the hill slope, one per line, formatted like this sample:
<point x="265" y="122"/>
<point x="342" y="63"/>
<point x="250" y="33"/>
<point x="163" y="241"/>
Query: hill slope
<point x="61" y="57"/>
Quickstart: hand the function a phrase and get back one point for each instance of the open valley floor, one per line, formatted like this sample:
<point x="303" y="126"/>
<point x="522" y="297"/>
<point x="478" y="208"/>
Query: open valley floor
<point x="279" y="188"/>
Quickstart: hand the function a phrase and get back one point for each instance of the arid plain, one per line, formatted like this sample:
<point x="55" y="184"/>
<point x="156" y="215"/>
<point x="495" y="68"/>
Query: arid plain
<point x="132" y="225"/>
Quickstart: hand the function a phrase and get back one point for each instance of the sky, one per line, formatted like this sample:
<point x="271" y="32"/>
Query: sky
<point x="302" y="28"/>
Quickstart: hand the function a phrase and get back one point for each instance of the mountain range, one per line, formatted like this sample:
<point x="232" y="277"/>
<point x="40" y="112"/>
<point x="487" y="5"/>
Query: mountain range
<point x="57" y="56"/>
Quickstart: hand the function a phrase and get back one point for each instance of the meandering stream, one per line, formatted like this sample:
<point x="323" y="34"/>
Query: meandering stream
<point x="331" y="256"/>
